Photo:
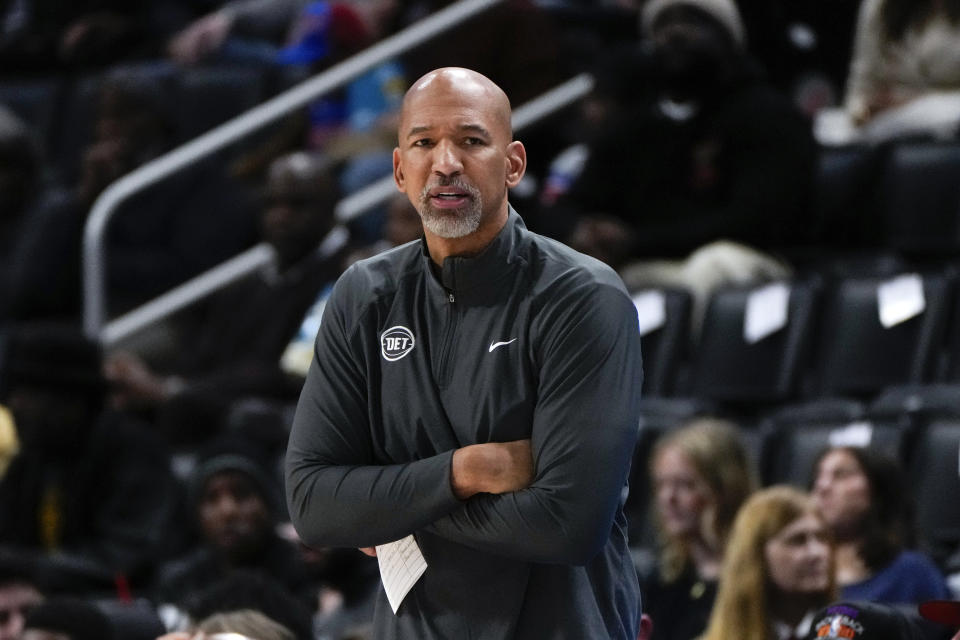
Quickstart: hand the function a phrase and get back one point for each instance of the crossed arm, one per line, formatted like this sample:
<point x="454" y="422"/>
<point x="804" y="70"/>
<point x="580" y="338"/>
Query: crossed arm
<point x="488" y="496"/>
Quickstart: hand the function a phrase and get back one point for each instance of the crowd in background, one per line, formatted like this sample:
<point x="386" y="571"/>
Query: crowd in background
<point x="140" y="488"/>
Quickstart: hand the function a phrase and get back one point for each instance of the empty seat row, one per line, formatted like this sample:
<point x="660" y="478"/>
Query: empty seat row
<point x="804" y="338"/>
<point x="903" y="195"/>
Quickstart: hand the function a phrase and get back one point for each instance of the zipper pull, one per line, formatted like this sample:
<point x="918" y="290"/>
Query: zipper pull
<point x="450" y="297"/>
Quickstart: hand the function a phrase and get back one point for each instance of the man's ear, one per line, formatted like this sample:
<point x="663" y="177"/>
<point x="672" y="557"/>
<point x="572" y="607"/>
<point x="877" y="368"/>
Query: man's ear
<point x="398" y="171"/>
<point x="516" y="163"/>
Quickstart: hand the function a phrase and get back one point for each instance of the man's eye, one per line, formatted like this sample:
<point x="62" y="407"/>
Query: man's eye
<point x="422" y="142"/>
<point x="473" y="141"/>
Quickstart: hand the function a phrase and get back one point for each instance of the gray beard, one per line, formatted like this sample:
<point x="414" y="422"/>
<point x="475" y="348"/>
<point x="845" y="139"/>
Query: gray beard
<point x="451" y="223"/>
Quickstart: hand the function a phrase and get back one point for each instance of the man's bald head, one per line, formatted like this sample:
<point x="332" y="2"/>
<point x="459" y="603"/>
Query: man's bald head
<point x="459" y="84"/>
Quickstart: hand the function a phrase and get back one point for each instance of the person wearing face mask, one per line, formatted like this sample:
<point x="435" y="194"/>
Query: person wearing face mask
<point x="688" y="144"/>
<point x="700" y="476"/>
<point x="777" y="570"/>
<point x="860" y="494"/>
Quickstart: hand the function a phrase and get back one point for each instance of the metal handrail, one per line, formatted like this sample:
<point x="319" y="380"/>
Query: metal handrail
<point x="347" y="209"/>
<point x="94" y="258"/>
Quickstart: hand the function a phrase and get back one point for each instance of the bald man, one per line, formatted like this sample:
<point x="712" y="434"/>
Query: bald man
<point x="475" y="393"/>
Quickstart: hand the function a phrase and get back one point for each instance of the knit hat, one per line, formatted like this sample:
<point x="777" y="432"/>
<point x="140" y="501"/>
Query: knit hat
<point x="232" y="453"/>
<point x="864" y="621"/>
<point x="723" y="11"/>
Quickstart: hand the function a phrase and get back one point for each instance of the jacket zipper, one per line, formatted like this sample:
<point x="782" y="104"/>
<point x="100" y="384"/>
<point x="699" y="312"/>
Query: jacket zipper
<point x="447" y="339"/>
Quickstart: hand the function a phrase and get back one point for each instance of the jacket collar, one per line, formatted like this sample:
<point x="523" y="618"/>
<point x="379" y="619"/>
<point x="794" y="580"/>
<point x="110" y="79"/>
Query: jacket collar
<point x="461" y="274"/>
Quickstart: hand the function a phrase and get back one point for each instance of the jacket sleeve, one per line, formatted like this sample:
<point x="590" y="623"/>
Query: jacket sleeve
<point x="337" y="494"/>
<point x="583" y="437"/>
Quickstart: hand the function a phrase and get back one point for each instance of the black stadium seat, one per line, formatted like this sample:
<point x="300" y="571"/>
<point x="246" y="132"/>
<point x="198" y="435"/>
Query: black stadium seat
<point x="920" y="197"/>
<point x="664" y="338"/>
<point x="791" y="447"/>
<point x="858" y="356"/>
<point x="209" y="96"/>
<point x="728" y="368"/>
<point x="933" y="476"/>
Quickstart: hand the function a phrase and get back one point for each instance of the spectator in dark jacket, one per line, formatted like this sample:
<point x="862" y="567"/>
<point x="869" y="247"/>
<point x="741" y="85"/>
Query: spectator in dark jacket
<point x="244" y="329"/>
<point x="691" y="145"/>
<point x="89" y="493"/>
<point x="234" y="503"/>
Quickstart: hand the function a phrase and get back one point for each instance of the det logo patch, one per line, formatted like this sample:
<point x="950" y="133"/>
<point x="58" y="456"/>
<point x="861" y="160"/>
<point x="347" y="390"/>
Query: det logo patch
<point x="396" y="342"/>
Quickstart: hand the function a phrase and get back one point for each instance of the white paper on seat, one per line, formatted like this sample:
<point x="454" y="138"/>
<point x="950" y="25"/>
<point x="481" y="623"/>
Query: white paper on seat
<point x="855" y="434"/>
<point x="900" y="299"/>
<point x="766" y="311"/>
<point x="401" y="565"/>
<point x="651" y="310"/>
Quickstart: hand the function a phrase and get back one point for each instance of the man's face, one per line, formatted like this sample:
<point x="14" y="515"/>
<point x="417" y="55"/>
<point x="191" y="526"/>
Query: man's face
<point x="798" y="557"/>
<point x="233" y="515"/>
<point x="296" y="216"/>
<point x="455" y="159"/>
<point x="16" y="600"/>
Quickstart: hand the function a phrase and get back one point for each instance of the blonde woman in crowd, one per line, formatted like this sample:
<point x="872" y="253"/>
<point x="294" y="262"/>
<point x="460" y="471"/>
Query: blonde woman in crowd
<point x="777" y="569"/>
<point x="701" y="475"/>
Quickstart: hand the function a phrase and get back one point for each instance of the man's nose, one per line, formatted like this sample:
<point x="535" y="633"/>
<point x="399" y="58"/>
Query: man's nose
<point x="446" y="159"/>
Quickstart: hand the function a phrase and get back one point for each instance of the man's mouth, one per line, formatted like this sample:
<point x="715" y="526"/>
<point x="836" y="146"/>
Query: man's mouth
<point x="448" y="198"/>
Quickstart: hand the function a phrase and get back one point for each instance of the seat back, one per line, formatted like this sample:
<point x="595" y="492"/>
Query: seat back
<point x="858" y="355"/>
<point x="934" y="480"/>
<point x="920" y="197"/>
<point x="665" y="329"/>
<point x="729" y="367"/>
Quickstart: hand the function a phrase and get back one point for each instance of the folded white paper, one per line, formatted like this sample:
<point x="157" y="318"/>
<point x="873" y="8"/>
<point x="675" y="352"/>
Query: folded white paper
<point x="855" y="434"/>
<point x="401" y="565"/>
<point x="651" y="310"/>
<point x="900" y="299"/>
<point x="766" y="311"/>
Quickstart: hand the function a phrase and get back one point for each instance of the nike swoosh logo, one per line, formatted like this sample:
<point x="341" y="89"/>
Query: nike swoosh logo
<point x="494" y="345"/>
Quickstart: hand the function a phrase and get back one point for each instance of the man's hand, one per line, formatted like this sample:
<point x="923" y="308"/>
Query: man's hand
<point x="492" y="467"/>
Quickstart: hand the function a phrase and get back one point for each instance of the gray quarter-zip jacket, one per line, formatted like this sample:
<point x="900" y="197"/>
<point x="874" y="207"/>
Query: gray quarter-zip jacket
<point x="529" y="339"/>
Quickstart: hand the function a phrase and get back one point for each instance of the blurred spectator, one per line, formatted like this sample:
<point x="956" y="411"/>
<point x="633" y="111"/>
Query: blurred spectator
<point x="20" y="593"/>
<point x="905" y="49"/>
<point x="158" y="238"/>
<point x="687" y="145"/>
<point x="868" y="621"/>
<point x="349" y="582"/>
<point x="252" y="624"/>
<point x="402" y="225"/>
<point x="244" y="589"/>
<point x="243" y="330"/>
<point x="234" y="504"/>
<point x="19" y="181"/>
<point x="67" y="619"/>
<point x="776" y="569"/>
<point x="701" y="476"/>
<point x="254" y="30"/>
<point x="9" y="443"/>
<point x="862" y="498"/>
<point x="90" y="492"/>
<point x="46" y="35"/>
